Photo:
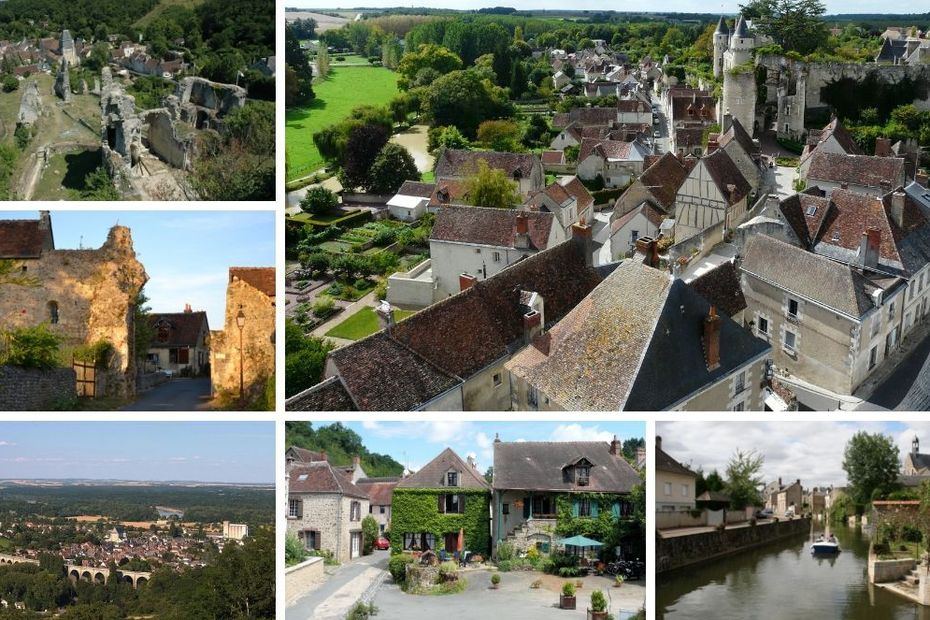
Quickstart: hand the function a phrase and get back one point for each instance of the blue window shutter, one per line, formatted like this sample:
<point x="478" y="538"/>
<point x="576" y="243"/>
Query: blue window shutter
<point x="615" y="509"/>
<point x="574" y="507"/>
<point x="594" y="508"/>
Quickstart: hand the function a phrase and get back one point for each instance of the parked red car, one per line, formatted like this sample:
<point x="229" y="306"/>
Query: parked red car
<point x="382" y="543"/>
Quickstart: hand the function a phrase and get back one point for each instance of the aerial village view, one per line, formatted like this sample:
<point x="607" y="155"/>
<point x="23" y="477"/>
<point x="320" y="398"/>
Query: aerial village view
<point x="137" y="100"/>
<point x="581" y="209"/>
<point x="137" y="310"/>
<point x="158" y="520"/>
<point x="515" y="520"/>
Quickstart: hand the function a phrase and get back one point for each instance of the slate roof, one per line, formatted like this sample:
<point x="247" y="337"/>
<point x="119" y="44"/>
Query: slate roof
<point x="21" y="239"/>
<point x="321" y="477"/>
<point x="808" y="275"/>
<point x="459" y="163"/>
<point x="722" y="27"/>
<point x="742" y="29"/>
<point x="863" y="170"/>
<point x="720" y="286"/>
<point x="379" y="490"/>
<point x="431" y="351"/>
<point x="738" y="132"/>
<point x="304" y="455"/>
<point x="664" y="178"/>
<point x="488" y="226"/>
<point x="328" y="395"/>
<point x="614" y="351"/>
<point x="433" y="474"/>
<point x="665" y="462"/>
<point x="728" y="178"/>
<point x="415" y="188"/>
<point x="261" y="278"/>
<point x="184" y="328"/>
<point x="538" y="465"/>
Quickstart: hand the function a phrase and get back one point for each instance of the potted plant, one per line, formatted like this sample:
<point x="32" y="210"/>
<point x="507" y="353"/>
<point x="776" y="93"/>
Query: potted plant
<point x="495" y="581"/>
<point x="567" y="599"/>
<point x="598" y="609"/>
<point x="618" y="581"/>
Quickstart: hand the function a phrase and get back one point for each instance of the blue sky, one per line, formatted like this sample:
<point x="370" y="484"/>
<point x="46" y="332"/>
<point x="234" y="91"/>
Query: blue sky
<point x="416" y="443"/>
<point x="187" y="254"/>
<point x="203" y="451"/>
<point x="681" y="6"/>
<point x="809" y="451"/>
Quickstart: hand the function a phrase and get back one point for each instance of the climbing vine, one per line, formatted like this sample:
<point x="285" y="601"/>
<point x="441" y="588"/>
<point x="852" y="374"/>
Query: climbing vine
<point x="416" y="511"/>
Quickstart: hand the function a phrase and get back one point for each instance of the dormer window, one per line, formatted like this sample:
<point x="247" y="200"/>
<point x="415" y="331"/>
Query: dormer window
<point x="582" y="475"/>
<point x="452" y="479"/>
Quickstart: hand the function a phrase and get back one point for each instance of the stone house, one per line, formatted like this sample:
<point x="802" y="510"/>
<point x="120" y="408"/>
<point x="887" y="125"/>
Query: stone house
<point x="675" y="483"/>
<point x="84" y="296"/>
<point x="616" y="162"/>
<point x="642" y="221"/>
<point x="532" y="479"/>
<point x="742" y="150"/>
<point x="828" y="323"/>
<point x="575" y="133"/>
<point x="690" y="109"/>
<point x="634" y="112"/>
<point x="380" y="491"/>
<point x="325" y="508"/>
<point x="476" y="243"/>
<point x="865" y="174"/>
<point x="916" y="467"/>
<point x="180" y="341"/>
<point x="414" y="365"/>
<point x="780" y="497"/>
<point x="658" y="184"/>
<point x="250" y="299"/>
<point x="430" y="507"/>
<point x="585" y="117"/>
<point x="715" y="193"/>
<point x="524" y="169"/>
<point x="642" y="341"/>
<point x="834" y="138"/>
<point x="567" y="199"/>
<point x="560" y="79"/>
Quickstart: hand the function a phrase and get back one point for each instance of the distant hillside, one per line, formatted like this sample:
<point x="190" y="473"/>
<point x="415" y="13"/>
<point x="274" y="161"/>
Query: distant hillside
<point x="340" y="445"/>
<point x="161" y="7"/>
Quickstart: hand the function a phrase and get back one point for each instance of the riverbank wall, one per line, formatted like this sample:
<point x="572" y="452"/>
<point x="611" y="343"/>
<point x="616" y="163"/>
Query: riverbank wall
<point x="679" y="551"/>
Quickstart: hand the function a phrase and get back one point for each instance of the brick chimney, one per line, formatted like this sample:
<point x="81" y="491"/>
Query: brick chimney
<point x="650" y="248"/>
<point x="615" y="447"/>
<point x="897" y="207"/>
<point x="521" y="237"/>
<point x="712" y="339"/>
<point x="712" y="143"/>
<point x="466" y="281"/>
<point x="385" y="313"/>
<point x="869" y="247"/>
<point x="187" y="309"/>
<point x="581" y="235"/>
<point x="883" y="147"/>
<point x="532" y="325"/>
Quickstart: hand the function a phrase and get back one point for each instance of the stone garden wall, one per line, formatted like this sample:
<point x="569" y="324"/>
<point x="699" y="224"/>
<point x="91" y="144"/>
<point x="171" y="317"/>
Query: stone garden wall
<point x="30" y="389"/>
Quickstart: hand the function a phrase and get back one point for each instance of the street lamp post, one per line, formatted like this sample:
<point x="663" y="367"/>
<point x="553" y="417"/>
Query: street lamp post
<point x="240" y="321"/>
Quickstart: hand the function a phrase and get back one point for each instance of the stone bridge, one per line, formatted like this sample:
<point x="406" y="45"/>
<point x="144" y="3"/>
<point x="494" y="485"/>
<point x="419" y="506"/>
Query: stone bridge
<point x="87" y="573"/>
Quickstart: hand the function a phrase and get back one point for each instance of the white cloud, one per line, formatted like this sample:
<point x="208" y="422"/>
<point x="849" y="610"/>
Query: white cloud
<point x="579" y="432"/>
<point x="7" y="443"/>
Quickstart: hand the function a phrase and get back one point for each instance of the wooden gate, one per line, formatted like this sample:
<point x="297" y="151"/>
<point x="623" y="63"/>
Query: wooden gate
<point x="86" y="373"/>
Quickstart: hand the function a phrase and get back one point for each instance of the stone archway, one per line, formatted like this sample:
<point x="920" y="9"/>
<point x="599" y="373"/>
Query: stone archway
<point x="140" y="581"/>
<point x="74" y="575"/>
<point x="86" y="576"/>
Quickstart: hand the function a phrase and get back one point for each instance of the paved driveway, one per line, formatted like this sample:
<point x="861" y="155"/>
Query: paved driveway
<point x="333" y="599"/>
<point x="175" y="395"/>
<point x="514" y="600"/>
<point x="907" y="388"/>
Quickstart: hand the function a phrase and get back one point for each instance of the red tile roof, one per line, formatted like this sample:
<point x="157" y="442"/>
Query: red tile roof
<point x="261" y="278"/>
<point x="729" y="180"/>
<point x="664" y="178"/>
<point x="448" y="192"/>
<point x="862" y="170"/>
<point x="494" y="227"/>
<point x="653" y="214"/>
<point x="577" y="189"/>
<point x="21" y="239"/>
<point x="433" y="474"/>
<point x="181" y="328"/>
<point x="458" y="163"/>
<point x="321" y="477"/>
<point x="379" y="490"/>
<point x="553" y="157"/>
<point x="606" y="149"/>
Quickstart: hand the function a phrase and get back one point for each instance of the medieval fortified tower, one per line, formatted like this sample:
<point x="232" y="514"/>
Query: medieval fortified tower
<point x="733" y="61"/>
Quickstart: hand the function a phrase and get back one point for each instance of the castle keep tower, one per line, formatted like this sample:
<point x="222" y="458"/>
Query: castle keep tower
<point x="721" y="42"/>
<point x="739" y="85"/>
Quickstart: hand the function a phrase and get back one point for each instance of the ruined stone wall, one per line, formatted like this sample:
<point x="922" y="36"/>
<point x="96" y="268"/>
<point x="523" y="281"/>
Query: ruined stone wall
<point x="166" y="142"/>
<point x="31" y="389"/>
<point x="94" y="291"/>
<point x="30" y="106"/>
<point x="257" y="342"/>
<point x="739" y="98"/>
<point x="63" y="82"/>
<point x="218" y="98"/>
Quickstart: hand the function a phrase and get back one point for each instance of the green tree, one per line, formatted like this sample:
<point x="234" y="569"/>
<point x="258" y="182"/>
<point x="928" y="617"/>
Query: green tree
<point x="322" y="61"/>
<point x="10" y="83"/>
<point x="393" y="165"/>
<point x="32" y="347"/>
<point x="370" y="533"/>
<point x="435" y="57"/>
<point x="305" y="359"/>
<point x="871" y="465"/>
<point x="796" y="25"/>
<point x="490" y="187"/>
<point x="500" y="135"/>
<point x="11" y="272"/>
<point x="362" y="148"/>
<point x="447" y="137"/>
<point x="319" y="201"/>
<point x="464" y="99"/>
<point x="144" y="331"/>
<point x="743" y="480"/>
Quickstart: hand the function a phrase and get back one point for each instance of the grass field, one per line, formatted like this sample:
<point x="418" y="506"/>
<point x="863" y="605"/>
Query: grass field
<point x="159" y="9"/>
<point x="362" y="323"/>
<point x="342" y="90"/>
<point x="63" y="179"/>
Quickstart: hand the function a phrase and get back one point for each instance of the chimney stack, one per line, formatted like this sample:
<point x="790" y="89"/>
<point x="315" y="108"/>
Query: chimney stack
<point x="897" y="207"/>
<point x="187" y="309"/>
<point x="521" y="238"/>
<point x="869" y="247"/>
<point x="385" y="314"/>
<point x="471" y="461"/>
<point x="532" y="325"/>
<point x="466" y="281"/>
<point x="712" y="339"/>
<point x="727" y="121"/>
<point x="649" y="247"/>
<point x="581" y="235"/>
<point x="658" y="442"/>
<point x="883" y="147"/>
<point x="615" y="447"/>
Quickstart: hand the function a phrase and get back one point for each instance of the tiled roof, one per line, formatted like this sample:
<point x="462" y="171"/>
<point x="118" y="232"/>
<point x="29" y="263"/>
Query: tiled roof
<point x="321" y="477"/>
<point x="261" y="278"/>
<point x="184" y="328"/>
<point x="703" y="108"/>
<point x="664" y="178"/>
<point x="609" y="149"/>
<point x="633" y="105"/>
<point x="458" y="163"/>
<point x="738" y="132"/>
<point x="433" y="474"/>
<point x="553" y="157"/>
<point x="593" y="116"/>
<point x="689" y="137"/>
<point x="576" y="188"/>
<point x="805" y="213"/>
<point x="729" y="180"/>
<point x="652" y="213"/>
<point x="863" y="170"/>
<point x="448" y="192"/>
<point x="328" y="395"/>
<point x="720" y="287"/>
<point x="613" y="351"/>
<point x="825" y="281"/>
<point x="665" y="462"/>
<point x="305" y="456"/>
<point x="379" y="490"/>
<point x="415" y="188"/>
<point x="21" y="239"/>
<point x="538" y="465"/>
<point x="487" y="226"/>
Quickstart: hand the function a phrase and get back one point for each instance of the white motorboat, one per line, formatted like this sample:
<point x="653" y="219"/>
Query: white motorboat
<point x="825" y="546"/>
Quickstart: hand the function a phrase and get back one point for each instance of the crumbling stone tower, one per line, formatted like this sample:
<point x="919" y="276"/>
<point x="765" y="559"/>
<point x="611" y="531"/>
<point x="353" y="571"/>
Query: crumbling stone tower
<point x="67" y="49"/>
<point x="121" y="131"/>
<point x="63" y="81"/>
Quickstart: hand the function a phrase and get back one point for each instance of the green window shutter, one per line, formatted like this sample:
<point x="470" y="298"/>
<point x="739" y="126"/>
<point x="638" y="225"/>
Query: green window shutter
<point x="594" y="508"/>
<point x="615" y="509"/>
<point x="574" y="507"/>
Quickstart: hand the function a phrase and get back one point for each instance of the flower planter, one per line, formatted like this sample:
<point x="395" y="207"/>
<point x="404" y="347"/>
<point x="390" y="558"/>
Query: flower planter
<point x="598" y="615"/>
<point x="567" y="602"/>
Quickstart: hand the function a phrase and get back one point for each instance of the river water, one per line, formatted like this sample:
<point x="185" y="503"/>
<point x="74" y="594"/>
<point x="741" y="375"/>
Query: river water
<point x="783" y="580"/>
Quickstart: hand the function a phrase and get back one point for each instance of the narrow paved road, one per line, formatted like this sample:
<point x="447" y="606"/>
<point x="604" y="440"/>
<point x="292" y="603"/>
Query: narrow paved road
<point x="175" y="395"/>
<point x="333" y="599"/>
<point x="908" y="387"/>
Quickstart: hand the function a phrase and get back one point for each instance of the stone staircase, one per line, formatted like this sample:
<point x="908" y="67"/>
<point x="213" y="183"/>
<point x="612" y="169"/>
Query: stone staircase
<point x="527" y="533"/>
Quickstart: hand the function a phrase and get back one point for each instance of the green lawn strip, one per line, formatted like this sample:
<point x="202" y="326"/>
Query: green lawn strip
<point x="343" y="89"/>
<point x="362" y="323"/>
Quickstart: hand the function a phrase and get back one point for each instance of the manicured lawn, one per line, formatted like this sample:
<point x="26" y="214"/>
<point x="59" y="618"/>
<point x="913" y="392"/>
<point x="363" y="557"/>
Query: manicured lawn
<point x="344" y="89"/>
<point x="362" y="323"/>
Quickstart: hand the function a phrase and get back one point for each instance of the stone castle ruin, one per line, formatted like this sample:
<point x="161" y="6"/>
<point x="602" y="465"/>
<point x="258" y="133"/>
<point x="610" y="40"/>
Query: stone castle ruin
<point x="63" y="82"/>
<point x="30" y="106"/>
<point x="85" y="296"/>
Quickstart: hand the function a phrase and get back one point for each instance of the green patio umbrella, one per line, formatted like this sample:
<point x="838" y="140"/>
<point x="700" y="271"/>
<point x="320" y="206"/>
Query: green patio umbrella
<point x="581" y="542"/>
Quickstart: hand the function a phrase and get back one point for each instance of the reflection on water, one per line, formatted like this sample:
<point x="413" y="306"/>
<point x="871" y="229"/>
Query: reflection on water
<point x="783" y="580"/>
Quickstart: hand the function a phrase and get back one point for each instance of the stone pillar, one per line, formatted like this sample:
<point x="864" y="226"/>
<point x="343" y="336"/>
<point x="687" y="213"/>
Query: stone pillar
<point x="923" y="589"/>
